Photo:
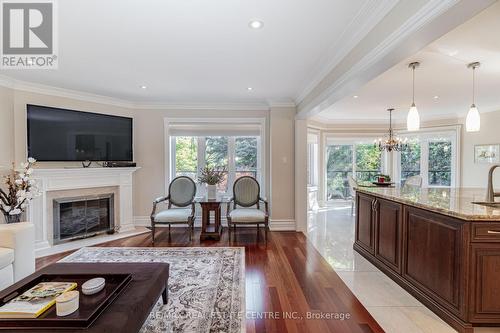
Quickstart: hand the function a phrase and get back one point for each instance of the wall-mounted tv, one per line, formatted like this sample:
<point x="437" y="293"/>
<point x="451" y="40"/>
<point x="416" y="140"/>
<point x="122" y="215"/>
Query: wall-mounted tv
<point x="68" y="135"/>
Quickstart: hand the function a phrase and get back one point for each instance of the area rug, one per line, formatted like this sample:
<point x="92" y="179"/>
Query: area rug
<point x="206" y="286"/>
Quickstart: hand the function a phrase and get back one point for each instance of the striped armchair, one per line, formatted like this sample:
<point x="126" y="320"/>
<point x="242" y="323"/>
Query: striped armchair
<point x="246" y="204"/>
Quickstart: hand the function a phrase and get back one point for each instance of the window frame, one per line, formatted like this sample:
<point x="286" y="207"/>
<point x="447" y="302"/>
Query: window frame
<point x="170" y="149"/>
<point x="425" y="136"/>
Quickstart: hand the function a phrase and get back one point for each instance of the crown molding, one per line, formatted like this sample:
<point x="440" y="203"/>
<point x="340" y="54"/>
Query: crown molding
<point x="37" y="88"/>
<point x="426" y="14"/>
<point x="281" y="104"/>
<point x="204" y="106"/>
<point x="369" y="15"/>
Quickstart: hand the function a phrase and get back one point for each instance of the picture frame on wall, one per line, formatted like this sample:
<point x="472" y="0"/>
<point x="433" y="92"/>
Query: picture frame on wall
<point x="487" y="154"/>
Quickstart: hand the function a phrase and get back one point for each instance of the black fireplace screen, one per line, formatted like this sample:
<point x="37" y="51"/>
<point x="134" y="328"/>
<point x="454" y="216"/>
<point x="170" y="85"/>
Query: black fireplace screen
<point x="76" y="218"/>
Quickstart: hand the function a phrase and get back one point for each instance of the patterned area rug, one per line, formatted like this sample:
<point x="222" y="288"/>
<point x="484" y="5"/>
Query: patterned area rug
<point x="206" y="286"/>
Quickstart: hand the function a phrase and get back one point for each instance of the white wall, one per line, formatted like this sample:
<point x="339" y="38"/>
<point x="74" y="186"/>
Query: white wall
<point x="474" y="174"/>
<point x="149" y="181"/>
<point x="282" y="161"/>
<point x="6" y="127"/>
<point x="149" y="144"/>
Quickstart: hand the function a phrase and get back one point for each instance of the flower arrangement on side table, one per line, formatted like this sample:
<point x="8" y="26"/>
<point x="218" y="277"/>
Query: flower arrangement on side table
<point x="21" y="189"/>
<point x="211" y="176"/>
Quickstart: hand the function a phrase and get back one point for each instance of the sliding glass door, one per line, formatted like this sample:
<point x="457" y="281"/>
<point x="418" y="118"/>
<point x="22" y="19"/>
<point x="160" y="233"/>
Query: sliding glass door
<point x="339" y="166"/>
<point x="363" y="161"/>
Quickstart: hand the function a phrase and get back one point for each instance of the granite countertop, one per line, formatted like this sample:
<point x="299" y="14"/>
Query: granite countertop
<point x="455" y="202"/>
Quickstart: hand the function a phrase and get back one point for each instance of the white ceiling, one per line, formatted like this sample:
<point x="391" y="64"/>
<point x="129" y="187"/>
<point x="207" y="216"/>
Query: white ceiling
<point x="201" y="51"/>
<point x="442" y="73"/>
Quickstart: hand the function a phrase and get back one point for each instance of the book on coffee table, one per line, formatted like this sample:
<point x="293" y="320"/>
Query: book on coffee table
<point x="35" y="301"/>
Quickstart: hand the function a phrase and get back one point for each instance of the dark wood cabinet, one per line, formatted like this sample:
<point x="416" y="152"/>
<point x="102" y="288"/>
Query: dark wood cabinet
<point x="433" y="255"/>
<point x="449" y="264"/>
<point x="364" y="233"/>
<point x="485" y="284"/>
<point x="388" y="226"/>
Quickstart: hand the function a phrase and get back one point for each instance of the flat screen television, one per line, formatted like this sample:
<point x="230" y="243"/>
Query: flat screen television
<point x="68" y="135"/>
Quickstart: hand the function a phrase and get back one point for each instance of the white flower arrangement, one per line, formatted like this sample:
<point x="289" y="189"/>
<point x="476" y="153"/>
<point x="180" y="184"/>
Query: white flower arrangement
<point x="21" y="189"/>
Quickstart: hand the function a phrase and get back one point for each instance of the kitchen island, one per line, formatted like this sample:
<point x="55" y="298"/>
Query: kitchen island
<point x="438" y="245"/>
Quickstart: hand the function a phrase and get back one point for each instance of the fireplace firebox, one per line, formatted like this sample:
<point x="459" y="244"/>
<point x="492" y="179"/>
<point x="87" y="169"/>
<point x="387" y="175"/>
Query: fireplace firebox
<point x="83" y="217"/>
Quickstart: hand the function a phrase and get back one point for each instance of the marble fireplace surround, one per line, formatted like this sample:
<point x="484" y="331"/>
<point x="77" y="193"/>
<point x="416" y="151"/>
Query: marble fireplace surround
<point x="75" y="182"/>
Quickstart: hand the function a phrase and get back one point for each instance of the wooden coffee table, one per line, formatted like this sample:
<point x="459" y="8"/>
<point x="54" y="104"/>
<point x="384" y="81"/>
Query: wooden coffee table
<point x="129" y="311"/>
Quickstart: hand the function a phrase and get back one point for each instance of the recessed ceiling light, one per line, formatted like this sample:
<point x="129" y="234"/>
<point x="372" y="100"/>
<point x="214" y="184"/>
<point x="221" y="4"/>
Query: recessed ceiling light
<point x="436" y="97"/>
<point x="249" y="88"/>
<point x="256" y="24"/>
<point x="355" y="96"/>
<point x="143" y="87"/>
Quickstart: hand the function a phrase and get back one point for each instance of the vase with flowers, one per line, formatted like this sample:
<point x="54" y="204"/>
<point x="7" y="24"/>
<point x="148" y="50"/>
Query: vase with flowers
<point x="20" y="190"/>
<point x="212" y="176"/>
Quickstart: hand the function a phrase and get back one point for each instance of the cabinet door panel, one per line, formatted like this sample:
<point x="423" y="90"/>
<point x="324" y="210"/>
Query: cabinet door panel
<point x="388" y="224"/>
<point x="433" y="254"/>
<point x="364" y="225"/>
<point x="485" y="285"/>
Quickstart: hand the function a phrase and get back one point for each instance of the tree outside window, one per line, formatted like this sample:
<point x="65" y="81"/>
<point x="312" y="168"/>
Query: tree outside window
<point x="186" y="161"/>
<point x="245" y="159"/>
<point x="440" y="163"/>
<point x="410" y="161"/>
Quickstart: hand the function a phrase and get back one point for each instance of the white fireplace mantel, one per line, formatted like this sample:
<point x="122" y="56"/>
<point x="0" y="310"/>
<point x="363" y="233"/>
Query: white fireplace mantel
<point x="79" y="178"/>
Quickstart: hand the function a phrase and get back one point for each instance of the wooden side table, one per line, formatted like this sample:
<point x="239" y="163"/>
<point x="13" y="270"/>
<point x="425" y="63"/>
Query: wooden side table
<point x="208" y="230"/>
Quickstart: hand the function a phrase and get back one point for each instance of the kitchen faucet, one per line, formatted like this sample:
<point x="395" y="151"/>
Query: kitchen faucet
<point x="491" y="194"/>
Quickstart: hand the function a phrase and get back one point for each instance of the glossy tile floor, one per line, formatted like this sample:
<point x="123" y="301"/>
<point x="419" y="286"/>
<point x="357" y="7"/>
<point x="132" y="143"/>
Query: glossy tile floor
<point x="331" y="230"/>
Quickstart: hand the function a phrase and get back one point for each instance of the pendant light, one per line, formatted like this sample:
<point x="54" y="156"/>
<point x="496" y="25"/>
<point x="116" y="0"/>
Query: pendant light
<point x="473" y="120"/>
<point x="413" y="119"/>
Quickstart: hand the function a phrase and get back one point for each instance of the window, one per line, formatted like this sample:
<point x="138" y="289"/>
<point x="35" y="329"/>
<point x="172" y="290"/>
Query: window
<point x="363" y="161"/>
<point x="368" y="162"/>
<point x="216" y="156"/>
<point x="431" y="154"/>
<point x="410" y="161"/>
<point x="239" y="155"/>
<point x="245" y="159"/>
<point x="186" y="162"/>
<point x="338" y="167"/>
<point x="439" y="163"/>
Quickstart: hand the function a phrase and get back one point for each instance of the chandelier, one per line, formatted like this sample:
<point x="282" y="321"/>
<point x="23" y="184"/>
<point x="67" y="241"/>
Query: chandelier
<point x="390" y="142"/>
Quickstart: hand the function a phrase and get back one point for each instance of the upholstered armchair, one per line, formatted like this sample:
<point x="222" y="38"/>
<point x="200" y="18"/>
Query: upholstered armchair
<point x="180" y="206"/>
<point x="246" y="204"/>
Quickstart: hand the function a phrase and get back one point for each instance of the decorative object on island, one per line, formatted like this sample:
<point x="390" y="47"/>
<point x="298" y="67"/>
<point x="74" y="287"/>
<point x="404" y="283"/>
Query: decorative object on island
<point x="93" y="286"/>
<point x="381" y="178"/>
<point x="391" y="142"/>
<point x="67" y="303"/>
<point x="473" y="120"/>
<point x="212" y="176"/>
<point x="180" y="209"/>
<point x="487" y="153"/>
<point x="413" y="119"/>
<point x="21" y="189"/>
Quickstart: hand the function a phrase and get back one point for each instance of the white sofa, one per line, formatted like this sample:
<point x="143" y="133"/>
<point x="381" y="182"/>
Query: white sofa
<point x="17" y="252"/>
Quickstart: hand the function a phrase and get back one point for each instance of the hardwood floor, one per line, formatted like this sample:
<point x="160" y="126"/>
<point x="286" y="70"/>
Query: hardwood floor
<point x="286" y="276"/>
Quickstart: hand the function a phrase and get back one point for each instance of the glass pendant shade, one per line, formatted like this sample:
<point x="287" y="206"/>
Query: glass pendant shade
<point x="473" y="120"/>
<point x="413" y="119"/>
